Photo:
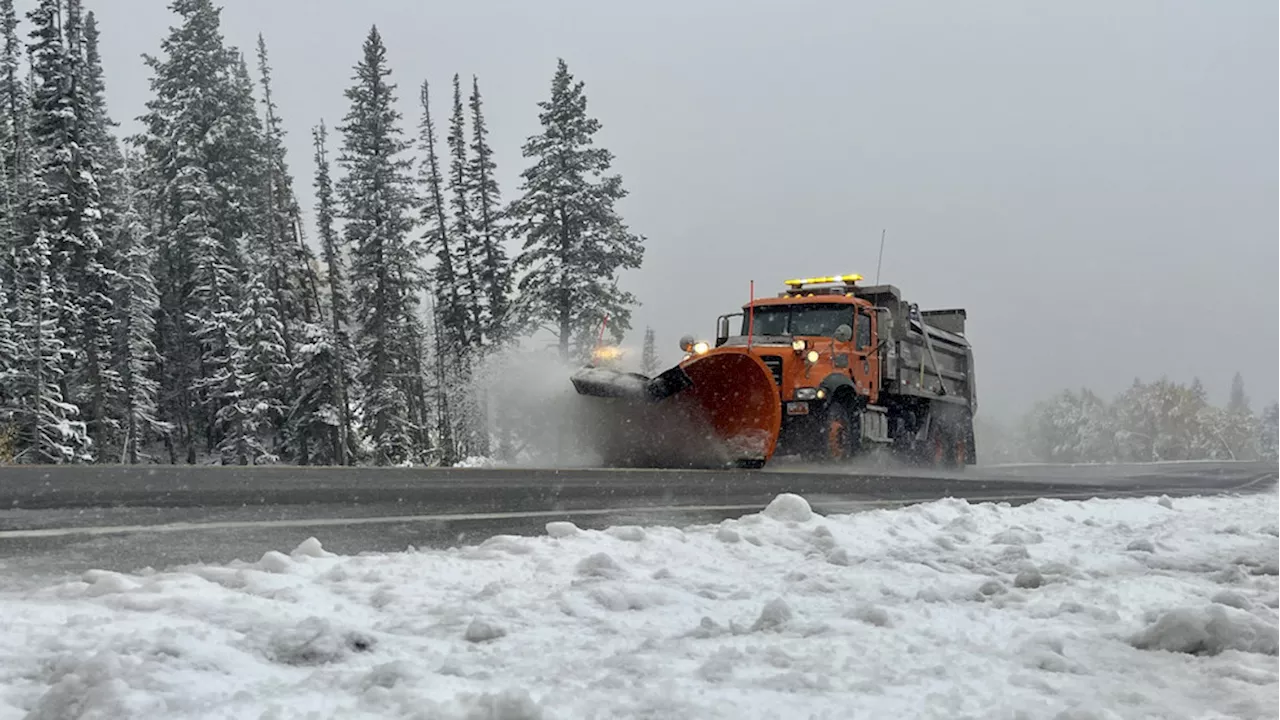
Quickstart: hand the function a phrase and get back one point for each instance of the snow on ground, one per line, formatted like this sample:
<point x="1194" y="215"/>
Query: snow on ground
<point x="476" y="461"/>
<point x="1128" y="608"/>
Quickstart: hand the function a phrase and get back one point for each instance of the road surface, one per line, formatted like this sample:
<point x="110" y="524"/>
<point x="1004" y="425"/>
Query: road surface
<point x="60" y="521"/>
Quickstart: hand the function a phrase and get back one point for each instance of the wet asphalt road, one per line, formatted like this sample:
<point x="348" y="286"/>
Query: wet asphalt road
<point x="60" y="521"/>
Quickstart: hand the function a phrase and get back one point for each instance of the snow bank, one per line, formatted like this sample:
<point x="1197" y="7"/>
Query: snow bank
<point x="1097" y="609"/>
<point x="476" y="461"/>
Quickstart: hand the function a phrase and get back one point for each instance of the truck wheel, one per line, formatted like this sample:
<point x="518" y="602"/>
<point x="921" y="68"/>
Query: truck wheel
<point x="943" y="449"/>
<point x="960" y="454"/>
<point x="839" y="432"/>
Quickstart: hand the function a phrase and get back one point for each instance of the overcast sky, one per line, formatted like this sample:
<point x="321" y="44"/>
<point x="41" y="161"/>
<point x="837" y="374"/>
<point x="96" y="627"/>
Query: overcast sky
<point x="1096" y="182"/>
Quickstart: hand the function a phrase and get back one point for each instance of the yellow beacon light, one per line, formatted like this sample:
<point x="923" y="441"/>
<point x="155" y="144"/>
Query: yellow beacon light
<point x="851" y="278"/>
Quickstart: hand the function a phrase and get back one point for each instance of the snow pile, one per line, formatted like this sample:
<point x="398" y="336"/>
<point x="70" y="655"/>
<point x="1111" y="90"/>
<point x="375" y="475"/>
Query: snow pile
<point x="1209" y="630"/>
<point x="476" y="461"/>
<point x="1099" y="609"/>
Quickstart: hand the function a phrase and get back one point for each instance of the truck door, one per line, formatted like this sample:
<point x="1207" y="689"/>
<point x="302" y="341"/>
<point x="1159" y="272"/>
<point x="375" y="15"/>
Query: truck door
<point x="866" y="364"/>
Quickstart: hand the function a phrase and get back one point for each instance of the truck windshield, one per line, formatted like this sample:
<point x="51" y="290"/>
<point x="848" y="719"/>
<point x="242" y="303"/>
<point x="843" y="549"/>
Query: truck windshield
<point x="793" y="320"/>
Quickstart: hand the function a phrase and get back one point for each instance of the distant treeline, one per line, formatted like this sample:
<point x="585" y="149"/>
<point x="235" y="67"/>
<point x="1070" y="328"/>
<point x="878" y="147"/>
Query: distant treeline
<point x="1152" y="421"/>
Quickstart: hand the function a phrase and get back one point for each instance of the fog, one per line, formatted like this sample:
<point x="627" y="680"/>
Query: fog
<point x="1095" y="182"/>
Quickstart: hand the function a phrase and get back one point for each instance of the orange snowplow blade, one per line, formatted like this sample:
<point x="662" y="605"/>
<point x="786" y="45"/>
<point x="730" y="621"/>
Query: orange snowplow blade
<point x="724" y="411"/>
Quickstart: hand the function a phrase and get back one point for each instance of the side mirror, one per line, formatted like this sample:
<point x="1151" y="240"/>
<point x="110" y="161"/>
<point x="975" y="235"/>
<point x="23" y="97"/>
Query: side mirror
<point x="686" y="343"/>
<point x="844" y="333"/>
<point x="722" y="330"/>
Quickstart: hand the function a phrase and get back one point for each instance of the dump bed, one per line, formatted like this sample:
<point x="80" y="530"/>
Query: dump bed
<point x="938" y="366"/>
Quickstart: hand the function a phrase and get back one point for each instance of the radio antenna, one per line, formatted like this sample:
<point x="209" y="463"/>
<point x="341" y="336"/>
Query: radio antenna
<point x="881" y="258"/>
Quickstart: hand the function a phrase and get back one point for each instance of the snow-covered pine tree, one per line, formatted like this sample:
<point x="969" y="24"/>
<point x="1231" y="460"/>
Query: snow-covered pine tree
<point x="231" y="425"/>
<point x="489" y="228"/>
<point x="468" y="267"/>
<point x="93" y="270"/>
<point x="465" y="263"/>
<point x="574" y="240"/>
<point x="315" y="413"/>
<point x="292" y="276"/>
<point x="455" y="330"/>
<point x="9" y="370"/>
<point x="452" y="330"/>
<point x="265" y="371"/>
<point x="13" y="150"/>
<point x="648" y="354"/>
<point x="325" y="374"/>
<point x="203" y="165"/>
<point x="416" y="382"/>
<point x="248" y="384"/>
<point x="376" y="199"/>
<point x="1238" y="401"/>
<point x="64" y="208"/>
<point x="136" y="304"/>
<point x="14" y="183"/>
<point x="100" y="133"/>
<point x="440" y="373"/>
<point x="48" y="430"/>
<point x="1236" y="427"/>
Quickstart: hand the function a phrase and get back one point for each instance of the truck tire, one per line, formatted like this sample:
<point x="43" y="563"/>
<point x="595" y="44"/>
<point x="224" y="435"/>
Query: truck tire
<point x="840" y="433"/>
<point x="945" y="447"/>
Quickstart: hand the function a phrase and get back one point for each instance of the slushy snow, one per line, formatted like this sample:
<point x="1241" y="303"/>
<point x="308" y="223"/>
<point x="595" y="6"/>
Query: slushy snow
<point x="948" y="609"/>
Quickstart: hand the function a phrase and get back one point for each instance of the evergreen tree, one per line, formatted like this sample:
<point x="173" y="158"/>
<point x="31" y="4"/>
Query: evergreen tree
<point x="265" y="373"/>
<point x="291" y="276"/>
<point x="99" y="131"/>
<point x="574" y="240"/>
<point x="465" y="271"/>
<point x="327" y="364"/>
<point x="440" y="373"/>
<point x="455" y="330"/>
<point x="449" y="317"/>
<point x="8" y="354"/>
<point x="94" y="212"/>
<point x="316" y="414"/>
<point x="232" y="419"/>
<point x="13" y="152"/>
<point x="376" y="200"/>
<point x="290" y="273"/>
<point x="203" y="167"/>
<point x="65" y="211"/>
<point x="468" y="268"/>
<point x="47" y="428"/>
<point x="136" y="304"/>
<point x="1238" y="402"/>
<point x="1237" y="428"/>
<point x="648" y="354"/>
<point x="489" y="231"/>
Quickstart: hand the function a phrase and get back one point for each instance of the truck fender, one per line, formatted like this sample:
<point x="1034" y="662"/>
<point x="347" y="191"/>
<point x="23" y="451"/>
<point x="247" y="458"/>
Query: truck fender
<point x="836" y="385"/>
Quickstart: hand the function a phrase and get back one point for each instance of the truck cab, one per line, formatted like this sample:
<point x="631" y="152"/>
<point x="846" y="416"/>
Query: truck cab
<point x="820" y="343"/>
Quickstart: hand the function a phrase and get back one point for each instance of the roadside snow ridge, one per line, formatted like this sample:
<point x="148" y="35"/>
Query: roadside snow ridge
<point x="1128" y="608"/>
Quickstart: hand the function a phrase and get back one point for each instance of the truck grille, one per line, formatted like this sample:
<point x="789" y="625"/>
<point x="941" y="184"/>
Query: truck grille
<point x="774" y="363"/>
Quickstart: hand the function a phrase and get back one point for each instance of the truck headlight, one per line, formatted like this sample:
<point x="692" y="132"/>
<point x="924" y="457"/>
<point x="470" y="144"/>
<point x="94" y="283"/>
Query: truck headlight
<point x="806" y="393"/>
<point x="700" y="347"/>
<point x="812" y="357"/>
<point x="798" y="345"/>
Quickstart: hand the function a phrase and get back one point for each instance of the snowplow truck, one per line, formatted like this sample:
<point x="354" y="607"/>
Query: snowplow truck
<point x="827" y="370"/>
